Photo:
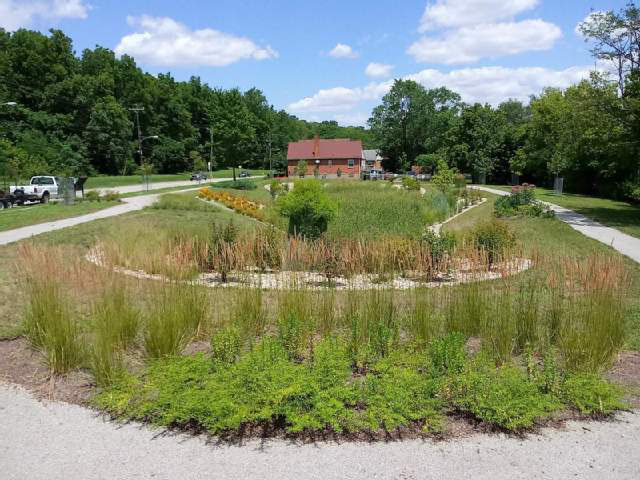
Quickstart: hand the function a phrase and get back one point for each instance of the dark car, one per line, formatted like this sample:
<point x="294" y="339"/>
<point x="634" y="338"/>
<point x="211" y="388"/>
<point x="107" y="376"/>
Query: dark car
<point x="6" y="201"/>
<point x="244" y="174"/>
<point x="198" y="176"/>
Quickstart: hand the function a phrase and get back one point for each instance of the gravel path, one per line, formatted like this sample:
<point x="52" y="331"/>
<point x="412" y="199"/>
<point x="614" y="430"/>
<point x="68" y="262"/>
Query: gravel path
<point x="60" y="441"/>
<point x="625" y="244"/>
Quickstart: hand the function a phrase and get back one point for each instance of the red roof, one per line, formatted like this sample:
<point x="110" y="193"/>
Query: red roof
<point x="323" y="148"/>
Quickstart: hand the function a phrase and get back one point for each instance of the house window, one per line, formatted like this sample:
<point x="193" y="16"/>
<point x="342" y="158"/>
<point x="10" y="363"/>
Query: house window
<point x="330" y="162"/>
<point x="351" y="163"/>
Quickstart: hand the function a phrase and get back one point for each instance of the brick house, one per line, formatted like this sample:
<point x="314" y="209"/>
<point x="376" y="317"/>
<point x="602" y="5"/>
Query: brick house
<point x="372" y="159"/>
<point x="327" y="156"/>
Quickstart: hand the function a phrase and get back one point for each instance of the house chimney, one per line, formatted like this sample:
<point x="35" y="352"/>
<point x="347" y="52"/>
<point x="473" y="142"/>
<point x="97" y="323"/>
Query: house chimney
<point x="316" y="146"/>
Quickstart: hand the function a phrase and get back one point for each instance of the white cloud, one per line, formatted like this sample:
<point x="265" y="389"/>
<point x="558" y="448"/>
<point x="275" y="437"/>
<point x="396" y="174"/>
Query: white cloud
<point x="485" y="85"/>
<point x="15" y="14"/>
<point x="343" y="51"/>
<point x="497" y="84"/>
<point x="470" y="44"/>
<point x="162" y="41"/>
<point x="340" y="98"/>
<point x="378" y="70"/>
<point x="460" y="13"/>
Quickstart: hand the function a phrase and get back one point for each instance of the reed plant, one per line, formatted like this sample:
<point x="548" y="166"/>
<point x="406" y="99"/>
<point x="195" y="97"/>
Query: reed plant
<point x="177" y="315"/>
<point x="51" y="326"/>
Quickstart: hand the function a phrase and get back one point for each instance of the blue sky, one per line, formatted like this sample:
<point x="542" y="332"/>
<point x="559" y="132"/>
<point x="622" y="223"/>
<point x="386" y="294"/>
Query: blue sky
<point x="334" y="59"/>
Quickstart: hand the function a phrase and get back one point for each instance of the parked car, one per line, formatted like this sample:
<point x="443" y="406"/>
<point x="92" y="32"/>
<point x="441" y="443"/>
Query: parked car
<point x="244" y="174"/>
<point x="198" y="176"/>
<point x="6" y="200"/>
<point x="376" y="174"/>
<point x="40" y="189"/>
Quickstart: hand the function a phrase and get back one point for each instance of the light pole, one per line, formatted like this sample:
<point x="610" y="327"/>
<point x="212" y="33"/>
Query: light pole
<point x="405" y="105"/>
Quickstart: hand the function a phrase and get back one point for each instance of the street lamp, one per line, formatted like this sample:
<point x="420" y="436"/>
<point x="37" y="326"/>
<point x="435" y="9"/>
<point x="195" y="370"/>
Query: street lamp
<point x="405" y="105"/>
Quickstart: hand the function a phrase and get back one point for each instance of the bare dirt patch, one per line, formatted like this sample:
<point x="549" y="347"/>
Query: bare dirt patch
<point x="22" y="365"/>
<point x="626" y="372"/>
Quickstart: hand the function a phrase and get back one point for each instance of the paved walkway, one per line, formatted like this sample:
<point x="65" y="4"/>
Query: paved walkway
<point x="152" y="186"/>
<point x="60" y="441"/>
<point x="129" y="205"/>
<point x="625" y="244"/>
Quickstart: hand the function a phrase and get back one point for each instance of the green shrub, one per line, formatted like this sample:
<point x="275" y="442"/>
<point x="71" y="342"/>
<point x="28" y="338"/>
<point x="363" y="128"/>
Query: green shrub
<point x="493" y="238"/>
<point x="521" y="202"/>
<point x="592" y="395"/>
<point x="444" y="177"/>
<point x="411" y="184"/>
<point x="275" y="188"/>
<point x="631" y="191"/>
<point x="441" y="245"/>
<point x="236" y="184"/>
<point x="308" y="208"/>
<point x="447" y="354"/>
<point x="92" y="196"/>
<point x="111" y="196"/>
<point x="503" y="397"/>
<point x="226" y="345"/>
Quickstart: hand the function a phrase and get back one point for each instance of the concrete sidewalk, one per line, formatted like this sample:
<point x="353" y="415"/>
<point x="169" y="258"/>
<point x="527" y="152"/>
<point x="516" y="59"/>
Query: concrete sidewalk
<point x="623" y="243"/>
<point x="129" y="205"/>
<point x="54" y="440"/>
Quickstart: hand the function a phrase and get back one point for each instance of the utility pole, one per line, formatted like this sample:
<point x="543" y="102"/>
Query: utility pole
<point x="210" y="150"/>
<point x="137" y="111"/>
<point x="270" y="166"/>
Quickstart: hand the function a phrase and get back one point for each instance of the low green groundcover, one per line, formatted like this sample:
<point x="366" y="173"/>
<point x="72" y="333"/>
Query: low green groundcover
<point x="265" y="387"/>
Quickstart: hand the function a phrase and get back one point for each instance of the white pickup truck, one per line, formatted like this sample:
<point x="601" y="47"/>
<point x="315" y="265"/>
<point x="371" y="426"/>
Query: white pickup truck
<point x="40" y="189"/>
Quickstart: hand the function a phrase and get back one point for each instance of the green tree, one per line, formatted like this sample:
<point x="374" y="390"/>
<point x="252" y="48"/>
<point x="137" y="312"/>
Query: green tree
<point x="232" y="126"/>
<point x="107" y="136"/>
<point x="412" y="120"/>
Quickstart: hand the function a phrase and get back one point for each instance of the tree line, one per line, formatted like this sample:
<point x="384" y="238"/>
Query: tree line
<point x="67" y="114"/>
<point x="589" y="133"/>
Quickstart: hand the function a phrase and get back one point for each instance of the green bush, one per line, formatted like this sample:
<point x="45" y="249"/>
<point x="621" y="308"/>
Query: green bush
<point x="493" y="238"/>
<point x="275" y="188"/>
<point x="592" y="395"/>
<point x="92" y="196"/>
<point x="411" y="184"/>
<point x="308" y="208"/>
<point x="447" y="354"/>
<point x="445" y="177"/>
<point x="236" y="184"/>
<point x="630" y="191"/>
<point x="521" y="202"/>
<point x="111" y="196"/>
<point x="225" y="345"/>
<point x="503" y="397"/>
<point x="440" y="244"/>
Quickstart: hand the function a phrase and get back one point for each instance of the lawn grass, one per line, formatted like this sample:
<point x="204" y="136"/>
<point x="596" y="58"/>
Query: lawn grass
<point x="121" y="181"/>
<point x="32" y="214"/>
<point x="612" y="213"/>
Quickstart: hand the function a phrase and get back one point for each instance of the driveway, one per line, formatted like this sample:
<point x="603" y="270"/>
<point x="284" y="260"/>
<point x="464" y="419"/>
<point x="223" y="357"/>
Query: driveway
<point x="158" y="185"/>
<point x="54" y="440"/>
<point x="623" y="243"/>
